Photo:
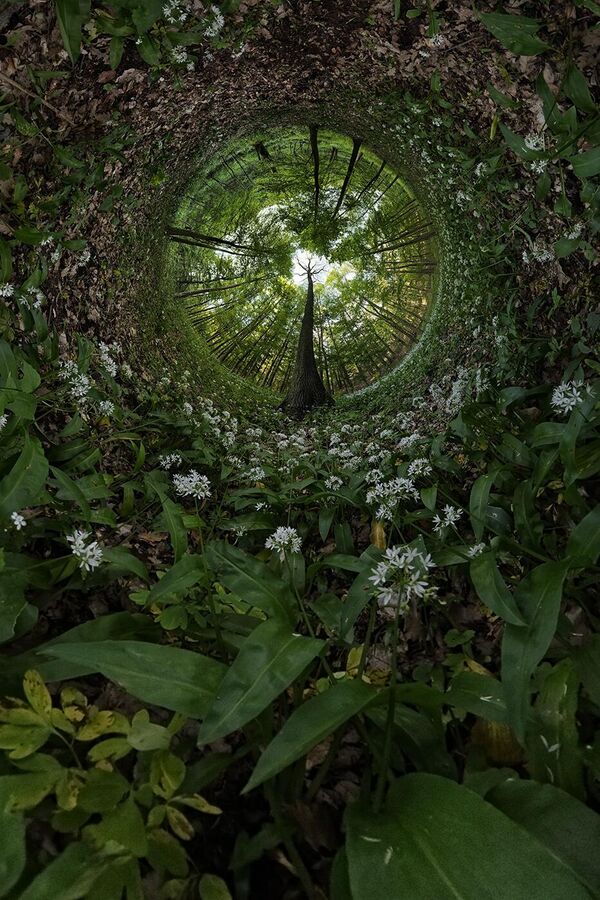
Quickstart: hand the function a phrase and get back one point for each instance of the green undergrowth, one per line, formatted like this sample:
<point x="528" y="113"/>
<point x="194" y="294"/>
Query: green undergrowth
<point x="349" y="656"/>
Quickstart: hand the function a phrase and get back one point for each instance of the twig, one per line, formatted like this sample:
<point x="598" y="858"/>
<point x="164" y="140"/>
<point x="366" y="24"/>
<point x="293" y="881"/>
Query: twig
<point x="19" y="87"/>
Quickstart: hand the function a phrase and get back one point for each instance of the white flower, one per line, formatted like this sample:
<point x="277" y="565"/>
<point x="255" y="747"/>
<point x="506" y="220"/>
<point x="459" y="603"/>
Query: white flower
<point x="567" y="396"/>
<point x="284" y="538"/>
<point x="333" y="482"/>
<point x="194" y="485"/>
<point x="18" y="520"/>
<point x="188" y="408"/>
<point x="419" y="466"/>
<point x="451" y="515"/>
<point x="6" y="291"/>
<point x="3" y="421"/>
<point x="401" y="576"/>
<point x="534" y="142"/>
<point x="256" y="473"/>
<point x="127" y="370"/>
<point x="261" y="505"/>
<point x="390" y="493"/>
<point x="106" y="407"/>
<point x="89" y="555"/>
<point x="475" y="550"/>
<point x="217" y="23"/>
<point x="107" y="360"/>
<point x="169" y="460"/>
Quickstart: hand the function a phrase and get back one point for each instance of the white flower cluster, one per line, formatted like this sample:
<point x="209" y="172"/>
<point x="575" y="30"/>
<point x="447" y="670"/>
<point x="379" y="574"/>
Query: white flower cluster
<point x="419" y="467"/>
<point x="3" y="421"/>
<point x="450" y="515"/>
<point x="7" y="291"/>
<point x="106" y="359"/>
<point x="174" y="12"/>
<point x="89" y="555"/>
<point x="255" y="473"/>
<point x="169" y="460"/>
<point x="106" y="407"/>
<point x="475" y="550"/>
<point x="567" y="396"/>
<point x="538" y="254"/>
<point x="284" y="539"/>
<point x="79" y="383"/>
<point x="181" y="57"/>
<point x="401" y="576"/>
<point x="18" y="520"/>
<point x="389" y="494"/>
<point x="215" y="27"/>
<point x="333" y="482"/>
<point x="192" y="485"/>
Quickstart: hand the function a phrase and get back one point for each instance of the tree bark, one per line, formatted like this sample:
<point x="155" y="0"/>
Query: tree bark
<point x="306" y="390"/>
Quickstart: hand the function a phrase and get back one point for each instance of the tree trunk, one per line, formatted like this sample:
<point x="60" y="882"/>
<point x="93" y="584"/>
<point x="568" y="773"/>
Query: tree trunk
<point x="306" y="390"/>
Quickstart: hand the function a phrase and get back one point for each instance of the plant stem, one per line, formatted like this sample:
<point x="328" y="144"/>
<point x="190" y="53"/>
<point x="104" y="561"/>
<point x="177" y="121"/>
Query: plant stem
<point x="387" y="746"/>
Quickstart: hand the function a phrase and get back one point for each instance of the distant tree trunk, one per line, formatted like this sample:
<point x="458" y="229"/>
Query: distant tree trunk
<point x="306" y="390"/>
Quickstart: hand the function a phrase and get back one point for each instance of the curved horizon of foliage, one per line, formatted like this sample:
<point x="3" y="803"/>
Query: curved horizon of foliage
<point x="349" y="656"/>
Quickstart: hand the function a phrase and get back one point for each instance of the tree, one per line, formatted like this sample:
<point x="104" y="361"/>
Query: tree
<point x="306" y="390"/>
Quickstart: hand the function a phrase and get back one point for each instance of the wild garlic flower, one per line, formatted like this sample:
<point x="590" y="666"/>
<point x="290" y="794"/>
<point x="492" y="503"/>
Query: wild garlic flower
<point x="3" y="421"/>
<point x="217" y="23"/>
<point x="78" y="382"/>
<point x="106" y="407"/>
<point x="333" y="482"/>
<point x="476" y="550"/>
<point x="284" y="539"/>
<point x="7" y="291"/>
<point x="89" y="555"/>
<point x="261" y="505"/>
<point x="409" y="441"/>
<point x="401" y="576"/>
<point x="389" y="494"/>
<point x="567" y="396"/>
<point x="255" y="473"/>
<point x="169" y="460"/>
<point x="188" y="408"/>
<point x="419" y="466"/>
<point x="106" y="358"/>
<point x="451" y="515"/>
<point x="18" y="520"/>
<point x="192" y="485"/>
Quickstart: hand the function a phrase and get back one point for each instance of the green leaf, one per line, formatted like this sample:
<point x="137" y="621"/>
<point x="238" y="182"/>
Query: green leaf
<point x="576" y="88"/>
<point x="22" y="485"/>
<point x="115" y="52"/>
<point x="586" y="164"/>
<point x="481" y="695"/>
<point x="211" y="887"/>
<point x="124" y="562"/>
<point x="12" y="847"/>
<point x="500" y="98"/>
<point x="538" y="596"/>
<point x="308" y="725"/>
<point x="11" y="607"/>
<point x="124" y="825"/>
<point x="587" y="663"/>
<point x="179" y="578"/>
<point x="148" y="50"/>
<point x="569" y="829"/>
<point x="583" y="546"/>
<point x="516" y="33"/>
<point x="70" y="490"/>
<point x="437" y="839"/>
<point x="176" y="679"/>
<point x="69" y="876"/>
<point x="269" y="660"/>
<point x="478" y="502"/>
<point x="165" y="852"/>
<point x="492" y="590"/>
<point x="72" y="15"/>
<point x="553" y="747"/>
<point x="177" y="531"/>
<point x="251" y="580"/>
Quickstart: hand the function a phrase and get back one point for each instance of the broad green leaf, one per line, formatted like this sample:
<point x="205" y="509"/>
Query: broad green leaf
<point x="538" y="596"/>
<point x="492" y="590"/>
<point x="437" y="840"/>
<point x="125" y="825"/>
<point x="179" y="578"/>
<point x="270" y="659"/>
<point x="12" y="846"/>
<point x="22" y="485"/>
<point x="587" y="663"/>
<point x="577" y="89"/>
<point x="211" y="887"/>
<point x="527" y="519"/>
<point x="420" y="737"/>
<point x="178" y="534"/>
<point x="72" y="15"/>
<point x="124" y="562"/>
<point x="583" y="546"/>
<point x="176" y="679"/>
<point x="478" y="502"/>
<point x="70" y="490"/>
<point x="586" y="164"/>
<point x="568" y="828"/>
<point x="516" y="33"/>
<point x="11" y="606"/>
<point x="481" y="695"/>
<point x="251" y="580"/>
<point x="500" y="98"/>
<point x="69" y="876"/>
<point x="308" y="725"/>
<point x="554" y="753"/>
